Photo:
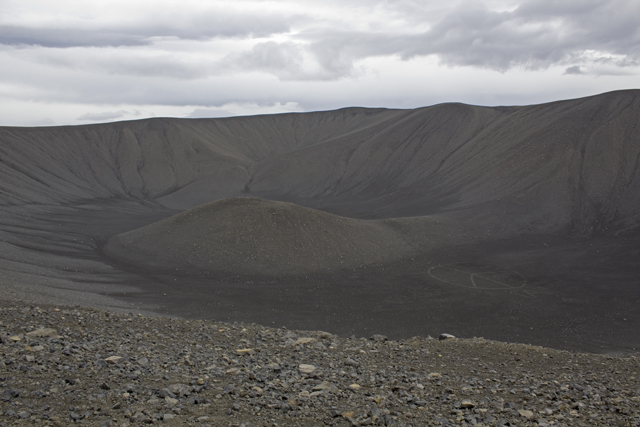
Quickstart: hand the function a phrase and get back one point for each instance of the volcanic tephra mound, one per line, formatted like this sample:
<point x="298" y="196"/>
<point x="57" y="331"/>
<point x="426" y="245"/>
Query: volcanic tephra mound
<point x="255" y="236"/>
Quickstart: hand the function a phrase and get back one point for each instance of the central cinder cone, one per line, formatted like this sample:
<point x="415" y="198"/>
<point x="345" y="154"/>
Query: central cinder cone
<point x="255" y="236"/>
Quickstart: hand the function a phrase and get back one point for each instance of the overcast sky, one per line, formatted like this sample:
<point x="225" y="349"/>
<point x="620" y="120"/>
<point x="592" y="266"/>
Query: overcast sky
<point x="84" y="61"/>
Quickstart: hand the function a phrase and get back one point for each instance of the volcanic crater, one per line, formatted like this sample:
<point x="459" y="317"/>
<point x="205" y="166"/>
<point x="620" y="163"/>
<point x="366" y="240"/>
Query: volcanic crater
<point x="511" y="223"/>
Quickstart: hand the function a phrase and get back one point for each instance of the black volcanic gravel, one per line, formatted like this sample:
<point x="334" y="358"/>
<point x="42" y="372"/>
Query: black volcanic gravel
<point x="60" y="366"/>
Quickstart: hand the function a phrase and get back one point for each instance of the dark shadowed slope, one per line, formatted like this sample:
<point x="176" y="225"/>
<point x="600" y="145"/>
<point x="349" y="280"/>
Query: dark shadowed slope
<point x="571" y="164"/>
<point x="515" y="223"/>
<point x="565" y="164"/>
<point x="254" y="236"/>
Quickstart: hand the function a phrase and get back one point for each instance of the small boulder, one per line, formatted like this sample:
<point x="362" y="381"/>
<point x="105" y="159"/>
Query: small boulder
<point x="307" y="369"/>
<point x="43" y="332"/>
<point x="525" y="413"/>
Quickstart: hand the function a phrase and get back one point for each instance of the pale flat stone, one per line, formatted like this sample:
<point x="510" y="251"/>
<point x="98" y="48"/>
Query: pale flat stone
<point x="322" y="386"/>
<point x="525" y="413"/>
<point x="307" y="369"/>
<point x="43" y="332"/>
<point x="171" y="401"/>
<point x="466" y="404"/>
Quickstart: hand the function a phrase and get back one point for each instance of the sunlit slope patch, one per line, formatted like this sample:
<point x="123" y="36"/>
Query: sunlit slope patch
<point x="255" y="236"/>
<point x="180" y="163"/>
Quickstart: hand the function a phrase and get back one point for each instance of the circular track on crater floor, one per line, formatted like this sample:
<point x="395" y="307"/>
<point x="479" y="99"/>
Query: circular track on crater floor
<point x="478" y="276"/>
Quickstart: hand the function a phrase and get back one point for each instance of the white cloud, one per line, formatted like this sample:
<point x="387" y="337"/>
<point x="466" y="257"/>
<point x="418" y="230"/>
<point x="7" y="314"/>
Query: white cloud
<point x="66" y="25"/>
<point x="243" y="109"/>
<point x="207" y="113"/>
<point x="107" y="115"/>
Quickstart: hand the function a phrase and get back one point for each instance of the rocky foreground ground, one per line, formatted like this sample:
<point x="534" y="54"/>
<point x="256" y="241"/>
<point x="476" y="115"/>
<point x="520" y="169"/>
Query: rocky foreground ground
<point x="60" y="366"/>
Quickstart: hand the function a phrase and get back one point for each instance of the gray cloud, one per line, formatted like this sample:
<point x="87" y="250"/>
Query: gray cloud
<point x="574" y="70"/>
<point x="213" y="24"/>
<point x="281" y="59"/>
<point x="535" y="35"/>
<point x="58" y="37"/>
<point x="118" y="61"/>
<point x="290" y="61"/>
